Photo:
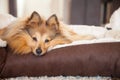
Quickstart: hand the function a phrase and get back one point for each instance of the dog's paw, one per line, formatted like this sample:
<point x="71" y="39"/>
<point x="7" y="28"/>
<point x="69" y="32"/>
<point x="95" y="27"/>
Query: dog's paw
<point x="3" y="43"/>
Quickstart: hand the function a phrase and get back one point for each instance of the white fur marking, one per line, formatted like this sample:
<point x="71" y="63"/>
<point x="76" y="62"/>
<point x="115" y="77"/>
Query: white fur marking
<point x="3" y="43"/>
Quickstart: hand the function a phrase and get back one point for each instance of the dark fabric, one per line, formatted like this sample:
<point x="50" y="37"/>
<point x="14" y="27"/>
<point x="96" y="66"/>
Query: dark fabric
<point x="101" y="59"/>
<point x="115" y="5"/>
<point x="3" y="56"/>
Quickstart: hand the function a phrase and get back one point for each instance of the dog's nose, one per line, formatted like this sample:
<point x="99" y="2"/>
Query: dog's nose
<point x="38" y="51"/>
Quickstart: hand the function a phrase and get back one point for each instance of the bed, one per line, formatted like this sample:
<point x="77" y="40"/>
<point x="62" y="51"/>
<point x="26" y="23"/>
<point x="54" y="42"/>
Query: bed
<point x="98" y="57"/>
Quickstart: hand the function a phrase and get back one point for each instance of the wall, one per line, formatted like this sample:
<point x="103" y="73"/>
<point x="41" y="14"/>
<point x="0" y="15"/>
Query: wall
<point x="4" y="6"/>
<point x="45" y="8"/>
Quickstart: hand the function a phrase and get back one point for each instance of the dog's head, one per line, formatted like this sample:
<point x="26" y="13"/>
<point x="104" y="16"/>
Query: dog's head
<point x="48" y="32"/>
<point x="32" y="28"/>
<point x="42" y="32"/>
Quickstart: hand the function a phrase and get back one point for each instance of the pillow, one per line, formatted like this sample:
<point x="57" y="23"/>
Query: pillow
<point x="5" y="19"/>
<point x="3" y="56"/>
<point x="114" y="22"/>
<point x="101" y="59"/>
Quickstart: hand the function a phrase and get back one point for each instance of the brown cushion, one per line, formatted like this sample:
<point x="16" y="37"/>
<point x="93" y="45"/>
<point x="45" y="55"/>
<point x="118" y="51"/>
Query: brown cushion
<point x="3" y="56"/>
<point x="101" y="59"/>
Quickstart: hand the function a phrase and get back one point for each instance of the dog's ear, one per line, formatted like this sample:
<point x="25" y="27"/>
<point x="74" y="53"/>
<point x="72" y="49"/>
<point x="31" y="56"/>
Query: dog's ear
<point x="34" y="19"/>
<point x="53" y="22"/>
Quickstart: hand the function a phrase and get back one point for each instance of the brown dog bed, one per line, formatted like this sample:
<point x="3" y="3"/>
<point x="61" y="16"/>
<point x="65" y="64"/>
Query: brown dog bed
<point x="95" y="59"/>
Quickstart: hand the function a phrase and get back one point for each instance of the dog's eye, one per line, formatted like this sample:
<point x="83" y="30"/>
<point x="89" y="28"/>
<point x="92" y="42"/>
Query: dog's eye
<point x="34" y="38"/>
<point x="47" y="40"/>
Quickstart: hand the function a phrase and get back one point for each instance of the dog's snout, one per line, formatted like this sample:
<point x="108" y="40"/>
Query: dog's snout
<point x="38" y="51"/>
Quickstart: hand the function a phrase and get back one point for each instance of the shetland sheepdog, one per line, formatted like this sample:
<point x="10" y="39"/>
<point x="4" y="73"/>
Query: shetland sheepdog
<point x="37" y="35"/>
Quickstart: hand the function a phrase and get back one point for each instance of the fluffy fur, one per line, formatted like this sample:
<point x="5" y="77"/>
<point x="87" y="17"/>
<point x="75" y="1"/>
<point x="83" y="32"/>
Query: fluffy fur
<point x="36" y="35"/>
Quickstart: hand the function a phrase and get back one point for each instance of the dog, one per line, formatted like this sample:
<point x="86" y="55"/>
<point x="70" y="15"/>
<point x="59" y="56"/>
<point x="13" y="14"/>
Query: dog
<point x="22" y="34"/>
<point x="37" y="35"/>
<point x="53" y="32"/>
